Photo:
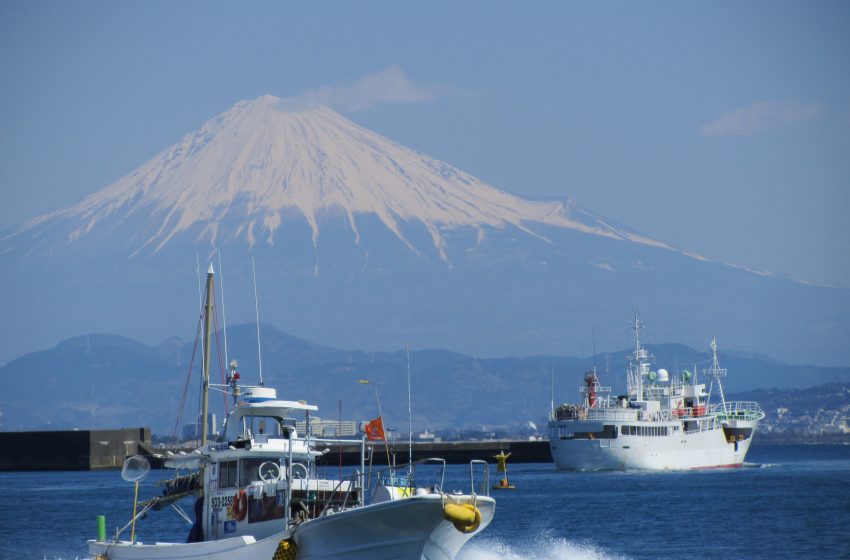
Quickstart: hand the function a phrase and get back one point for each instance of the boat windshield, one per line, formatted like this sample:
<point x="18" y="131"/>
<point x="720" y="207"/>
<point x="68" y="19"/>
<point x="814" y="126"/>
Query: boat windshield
<point x="254" y="426"/>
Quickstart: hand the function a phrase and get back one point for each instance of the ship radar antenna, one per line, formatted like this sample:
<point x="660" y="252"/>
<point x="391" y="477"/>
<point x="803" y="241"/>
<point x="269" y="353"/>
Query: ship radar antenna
<point x="716" y="372"/>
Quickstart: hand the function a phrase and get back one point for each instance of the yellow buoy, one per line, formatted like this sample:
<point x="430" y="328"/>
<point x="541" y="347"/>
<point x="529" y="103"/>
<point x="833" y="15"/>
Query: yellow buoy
<point x="465" y="517"/>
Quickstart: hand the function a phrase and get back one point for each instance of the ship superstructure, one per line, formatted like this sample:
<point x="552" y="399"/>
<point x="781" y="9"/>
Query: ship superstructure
<point x="663" y="421"/>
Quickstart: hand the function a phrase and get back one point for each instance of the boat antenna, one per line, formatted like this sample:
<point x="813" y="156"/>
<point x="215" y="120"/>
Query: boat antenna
<point x="200" y="293"/>
<point x="198" y="275"/>
<point x="223" y="309"/>
<point x="257" y="311"/>
<point x="552" y="382"/>
<point x="409" y="410"/>
<point x="207" y="322"/>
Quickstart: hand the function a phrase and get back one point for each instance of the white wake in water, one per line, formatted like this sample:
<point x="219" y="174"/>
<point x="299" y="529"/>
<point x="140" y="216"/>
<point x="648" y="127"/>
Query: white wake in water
<point x="538" y="549"/>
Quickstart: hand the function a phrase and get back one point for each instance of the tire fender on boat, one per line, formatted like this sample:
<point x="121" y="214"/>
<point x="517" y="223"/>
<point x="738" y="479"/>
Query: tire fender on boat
<point x="465" y="517"/>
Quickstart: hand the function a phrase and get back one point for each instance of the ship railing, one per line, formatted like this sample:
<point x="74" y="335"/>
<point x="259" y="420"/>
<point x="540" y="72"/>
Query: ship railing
<point x="614" y="414"/>
<point x="569" y="412"/>
<point x="698" y="411"/>
<point x="598" y="390"/>
<point x="738" y="410"/>
<point x="702" y="424"/>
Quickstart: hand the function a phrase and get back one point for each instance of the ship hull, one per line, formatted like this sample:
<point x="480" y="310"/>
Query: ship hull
<point x="698" y="450"/>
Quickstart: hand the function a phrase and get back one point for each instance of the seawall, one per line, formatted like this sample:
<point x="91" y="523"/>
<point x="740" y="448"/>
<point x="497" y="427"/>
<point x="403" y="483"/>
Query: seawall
<point x="454" y="452"/>
<point x="77" y="450"/>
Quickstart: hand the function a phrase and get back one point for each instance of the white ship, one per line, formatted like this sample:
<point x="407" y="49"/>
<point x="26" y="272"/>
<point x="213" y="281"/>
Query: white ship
<point x="258" y="494"/>
<point x="663" y="421"/>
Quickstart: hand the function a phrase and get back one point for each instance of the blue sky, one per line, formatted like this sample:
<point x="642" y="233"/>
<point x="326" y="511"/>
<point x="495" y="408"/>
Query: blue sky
<point x="723" y="127"/>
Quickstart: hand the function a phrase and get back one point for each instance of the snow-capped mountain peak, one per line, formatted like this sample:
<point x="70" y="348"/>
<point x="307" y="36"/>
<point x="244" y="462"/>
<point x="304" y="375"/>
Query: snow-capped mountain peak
<point x="265" y="160"/>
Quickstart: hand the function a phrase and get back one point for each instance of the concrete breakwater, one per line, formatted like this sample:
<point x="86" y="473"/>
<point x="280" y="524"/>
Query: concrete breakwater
<point x="454" y="452"/>
<point x="107" y="449"/>
<point x="73" y="450"/>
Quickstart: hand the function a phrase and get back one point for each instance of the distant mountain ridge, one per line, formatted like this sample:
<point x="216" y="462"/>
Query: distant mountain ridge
<point x="106" y="381"/>
<point x="365" y="243"/>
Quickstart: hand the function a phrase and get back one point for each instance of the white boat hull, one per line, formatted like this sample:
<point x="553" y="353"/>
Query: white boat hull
<point x="237" y="548"/>
<point x="699" y="450"/>
<point x="408" y="529"/>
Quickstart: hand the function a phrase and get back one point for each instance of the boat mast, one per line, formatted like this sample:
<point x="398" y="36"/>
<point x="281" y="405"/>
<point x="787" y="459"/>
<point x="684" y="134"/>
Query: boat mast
<point x="409" y="411"/>
<point x="257" y="311"/>
<point x="223" y="307"/>
<point x="208" y="310"/>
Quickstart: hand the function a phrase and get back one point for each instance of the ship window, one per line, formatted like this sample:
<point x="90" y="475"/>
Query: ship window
<point x="227" y="474"/>
<point x="251" y="470"/>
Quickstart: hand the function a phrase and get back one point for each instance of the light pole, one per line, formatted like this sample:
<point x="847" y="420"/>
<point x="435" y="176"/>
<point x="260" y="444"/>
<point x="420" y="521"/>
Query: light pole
<point x="377" y="398"/>
<point x="380" y="413"/>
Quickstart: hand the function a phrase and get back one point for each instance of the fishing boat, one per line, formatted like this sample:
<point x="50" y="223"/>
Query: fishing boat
<point x="663" y="421"/>
<point x="258" y="493"/>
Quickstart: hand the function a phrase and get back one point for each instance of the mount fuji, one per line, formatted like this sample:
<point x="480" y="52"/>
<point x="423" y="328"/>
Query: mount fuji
<point x="362" y="242"/>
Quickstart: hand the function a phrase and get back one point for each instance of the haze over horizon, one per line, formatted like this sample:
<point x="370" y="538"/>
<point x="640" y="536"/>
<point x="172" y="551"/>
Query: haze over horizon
<point x="366" y="243"/>
<point x="722" y="129"/>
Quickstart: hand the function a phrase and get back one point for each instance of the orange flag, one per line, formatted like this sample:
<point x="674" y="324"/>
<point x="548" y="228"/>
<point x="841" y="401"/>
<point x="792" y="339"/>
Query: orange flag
<point x="375" y="430"/>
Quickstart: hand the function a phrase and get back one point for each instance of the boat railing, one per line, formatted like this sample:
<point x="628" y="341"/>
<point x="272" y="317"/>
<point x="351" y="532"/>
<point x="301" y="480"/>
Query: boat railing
<point x="485" y="479"/>
<point x="738" y="410"/>
<point x="400" y="476"/>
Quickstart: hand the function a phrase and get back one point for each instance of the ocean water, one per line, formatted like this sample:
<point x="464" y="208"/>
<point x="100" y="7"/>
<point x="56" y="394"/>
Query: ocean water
<point x="788" y="502"/>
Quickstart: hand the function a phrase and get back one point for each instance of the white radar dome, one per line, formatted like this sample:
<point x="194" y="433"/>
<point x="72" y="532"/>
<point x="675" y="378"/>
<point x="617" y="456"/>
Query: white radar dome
<point x="663" y="375"/>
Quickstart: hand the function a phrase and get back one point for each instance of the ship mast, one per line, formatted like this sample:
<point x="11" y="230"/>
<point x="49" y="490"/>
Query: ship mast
<point x="208" y="310"/>
<point x="716" y="372"/>
<point x="639" y="361"/>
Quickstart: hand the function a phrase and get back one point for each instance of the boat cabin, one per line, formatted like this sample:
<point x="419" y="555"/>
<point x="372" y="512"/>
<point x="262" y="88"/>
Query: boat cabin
<point x="260" y="475"/>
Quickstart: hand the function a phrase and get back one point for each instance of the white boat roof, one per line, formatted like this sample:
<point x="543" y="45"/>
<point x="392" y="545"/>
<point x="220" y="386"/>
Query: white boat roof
<point x="272" y="407"/>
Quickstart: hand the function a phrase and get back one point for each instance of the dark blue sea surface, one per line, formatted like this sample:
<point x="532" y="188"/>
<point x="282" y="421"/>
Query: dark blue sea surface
<point x="789" y="502"/>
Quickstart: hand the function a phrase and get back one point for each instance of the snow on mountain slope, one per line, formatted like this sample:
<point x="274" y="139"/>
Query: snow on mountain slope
<point x="246" y="171"/>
